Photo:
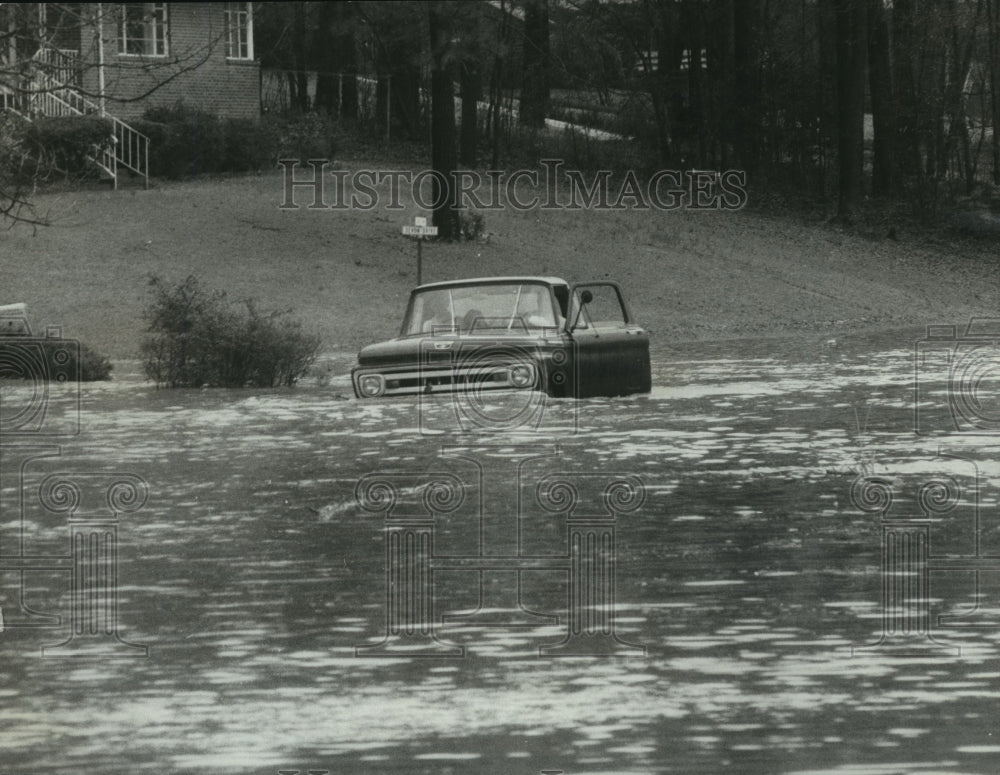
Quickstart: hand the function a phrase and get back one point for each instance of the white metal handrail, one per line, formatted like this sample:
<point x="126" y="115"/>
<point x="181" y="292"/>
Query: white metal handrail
<point x="50" y="96"/>
<point x="62" y="64"/>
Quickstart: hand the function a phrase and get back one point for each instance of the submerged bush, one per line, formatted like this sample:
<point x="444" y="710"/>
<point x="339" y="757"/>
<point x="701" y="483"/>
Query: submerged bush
<point x="94" y="367"/>
<point x="199" y="338"/>
<point x="51" y="359"/>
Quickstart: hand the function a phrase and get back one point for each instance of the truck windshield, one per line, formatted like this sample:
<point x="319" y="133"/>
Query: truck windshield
<point x="486" y="309"/>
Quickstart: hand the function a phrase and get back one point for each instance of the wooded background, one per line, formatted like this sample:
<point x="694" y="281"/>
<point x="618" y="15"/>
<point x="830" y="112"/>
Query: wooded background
<point x="855" y="103"/>
<point x="850" y="99"/>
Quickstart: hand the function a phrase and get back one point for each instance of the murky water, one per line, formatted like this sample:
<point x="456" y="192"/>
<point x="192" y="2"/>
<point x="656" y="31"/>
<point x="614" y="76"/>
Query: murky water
<point x="745" y="588"/>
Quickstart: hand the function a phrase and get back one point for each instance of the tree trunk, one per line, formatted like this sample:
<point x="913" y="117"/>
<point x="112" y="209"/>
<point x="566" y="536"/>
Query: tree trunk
<point x="695" y="102"/>
<point x="349" y="94"/>
<point x="535" y="83"/>
<point x="405" y="102"/>
<point x="383" y="85"/>
<point x="301" y="49"/>
<point x="880" y="83"/>
<point x="471" y="87"/>
<point x="933" y="106"/>
<point x="723" y="77"/>
<point x="746" y="139"/>
<point x="993" y="49"/>
<point x="293" y="88"/>
<point x="344" y="58"/>
<point x="663" y="22"/>
<point x="826" y="87"/>
<point x="907" y="135"/>
<point x="398" y="86"/>
<point x="326" y="80"/>
<point x="956" y="101"/>
<point x="443" y="156"/>
<point x="496" y="84"/>
<point x="852" y="47"/>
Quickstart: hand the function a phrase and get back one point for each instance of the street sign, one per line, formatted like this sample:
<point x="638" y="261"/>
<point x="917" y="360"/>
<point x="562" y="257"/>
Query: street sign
<point x="420" y="231"/>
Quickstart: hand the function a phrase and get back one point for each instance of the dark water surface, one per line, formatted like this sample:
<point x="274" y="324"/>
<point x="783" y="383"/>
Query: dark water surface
<point x="746" y="576"/>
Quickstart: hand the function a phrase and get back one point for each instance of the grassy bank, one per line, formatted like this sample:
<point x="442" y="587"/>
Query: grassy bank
<point x="688" y="275"/>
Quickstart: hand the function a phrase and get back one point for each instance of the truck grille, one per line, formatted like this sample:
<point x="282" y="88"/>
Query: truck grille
<point x="413" y="380"/>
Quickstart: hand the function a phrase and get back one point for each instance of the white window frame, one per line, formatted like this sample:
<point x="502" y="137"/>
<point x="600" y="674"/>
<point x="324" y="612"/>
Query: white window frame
<point x="239" y="31"/>
<point x="157" y="30"/>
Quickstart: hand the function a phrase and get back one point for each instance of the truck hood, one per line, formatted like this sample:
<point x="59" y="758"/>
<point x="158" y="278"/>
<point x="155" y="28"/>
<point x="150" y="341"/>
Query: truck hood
<point x="401" y="351"/>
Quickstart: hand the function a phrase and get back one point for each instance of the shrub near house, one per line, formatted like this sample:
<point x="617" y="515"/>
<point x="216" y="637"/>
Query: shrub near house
<point x="186" y="142"/>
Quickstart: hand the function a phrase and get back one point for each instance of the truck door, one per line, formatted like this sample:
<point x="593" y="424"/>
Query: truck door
<point x="611" y="352"/>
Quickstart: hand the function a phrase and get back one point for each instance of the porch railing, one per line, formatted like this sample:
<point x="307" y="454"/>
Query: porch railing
<point x="48" y="94"/>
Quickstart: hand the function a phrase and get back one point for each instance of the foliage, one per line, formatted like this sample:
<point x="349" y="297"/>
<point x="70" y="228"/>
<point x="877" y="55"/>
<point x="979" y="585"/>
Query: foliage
<point x="472" y="225"/>
<point x="747" y="85"/>
<point x="185" y="142"/>
<point x="82" y="359"/>
<point x="94" y="367"/>
<point x="248" y="145"/>
<point x="578" y="149"/>
<point x="30" y="151"/>
<point x="15" y="160"/>
<point x="67" y="143"/>
<point x="198" y="338"/>
<point x="309" y="136"/>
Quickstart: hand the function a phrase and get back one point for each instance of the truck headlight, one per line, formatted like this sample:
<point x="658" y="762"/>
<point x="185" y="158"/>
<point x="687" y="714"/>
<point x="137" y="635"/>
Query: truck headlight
<point x="371" y="385"/>
<point x="522" y="375"/>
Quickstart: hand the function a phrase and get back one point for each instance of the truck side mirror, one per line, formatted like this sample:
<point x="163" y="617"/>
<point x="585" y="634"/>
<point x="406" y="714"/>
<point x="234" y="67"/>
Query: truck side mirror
<point x="585" y="298"/>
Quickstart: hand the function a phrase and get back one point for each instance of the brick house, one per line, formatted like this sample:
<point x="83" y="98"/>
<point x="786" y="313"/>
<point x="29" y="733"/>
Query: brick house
<point x="157" y="54"/>
<point x="118" y="59"/>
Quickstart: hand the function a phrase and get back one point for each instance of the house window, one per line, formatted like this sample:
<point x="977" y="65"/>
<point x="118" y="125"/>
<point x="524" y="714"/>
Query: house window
<point x="239" y="31"/>
<point x="143" y="29"/>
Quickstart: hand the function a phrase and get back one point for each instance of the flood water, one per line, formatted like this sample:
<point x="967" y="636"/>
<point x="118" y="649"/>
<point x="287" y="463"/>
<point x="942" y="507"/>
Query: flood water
<point x="743" y="627"/>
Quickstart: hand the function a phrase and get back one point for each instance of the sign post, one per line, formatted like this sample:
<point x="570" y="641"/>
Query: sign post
<point x="419" y="230"/>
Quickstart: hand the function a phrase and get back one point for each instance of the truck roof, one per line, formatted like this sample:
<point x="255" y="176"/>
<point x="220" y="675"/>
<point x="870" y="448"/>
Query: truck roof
<point x="492" y="280"/>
